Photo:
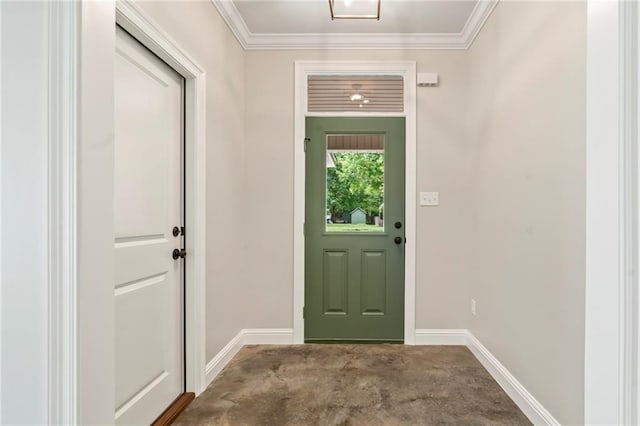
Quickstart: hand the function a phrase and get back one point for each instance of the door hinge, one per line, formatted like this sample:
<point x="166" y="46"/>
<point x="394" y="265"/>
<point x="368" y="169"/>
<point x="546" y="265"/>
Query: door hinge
<point x="304" y="312"/>
<point x="304" y="229"/>
<point x="306" y="141"/>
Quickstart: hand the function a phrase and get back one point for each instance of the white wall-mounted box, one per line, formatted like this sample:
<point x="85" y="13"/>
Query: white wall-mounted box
<point x="427" y="79"/>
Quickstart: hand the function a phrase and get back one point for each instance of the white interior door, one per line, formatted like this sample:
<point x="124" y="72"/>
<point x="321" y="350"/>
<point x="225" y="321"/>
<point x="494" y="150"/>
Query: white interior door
<point x="148" y="204"/>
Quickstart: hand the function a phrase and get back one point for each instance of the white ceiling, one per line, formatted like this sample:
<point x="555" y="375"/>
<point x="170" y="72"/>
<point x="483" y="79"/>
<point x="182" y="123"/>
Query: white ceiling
<point x="307" y="24"/>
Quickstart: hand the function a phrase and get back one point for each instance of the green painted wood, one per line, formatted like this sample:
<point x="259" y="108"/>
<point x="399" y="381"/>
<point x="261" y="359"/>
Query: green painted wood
<point x="335" y="282"/>
<point x="354" y="283"/>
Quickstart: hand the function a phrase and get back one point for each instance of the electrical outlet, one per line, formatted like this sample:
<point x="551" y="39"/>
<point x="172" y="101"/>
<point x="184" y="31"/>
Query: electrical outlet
<point x="473" y="307"/>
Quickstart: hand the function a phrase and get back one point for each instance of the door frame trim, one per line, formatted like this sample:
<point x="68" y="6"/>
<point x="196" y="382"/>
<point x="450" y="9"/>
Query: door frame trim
<point x="406" y="69"/>
<point x="63" y="25"/>
<point x="612" y="300"/>
<point x="133" y="20"/>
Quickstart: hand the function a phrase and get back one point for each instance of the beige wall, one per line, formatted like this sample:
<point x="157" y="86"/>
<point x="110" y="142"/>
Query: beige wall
<point x="442" y="165"/>
<point x="198" y="28"/>
<point x="526" y="109"/>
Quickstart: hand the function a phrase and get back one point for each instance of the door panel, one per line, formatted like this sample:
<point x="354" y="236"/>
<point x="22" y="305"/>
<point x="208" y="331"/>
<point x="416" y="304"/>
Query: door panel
<point x="354" y="272"/>
<point x="335" y="280"/>
<point x="148" y="203"/>
<point x="374" y="282"/>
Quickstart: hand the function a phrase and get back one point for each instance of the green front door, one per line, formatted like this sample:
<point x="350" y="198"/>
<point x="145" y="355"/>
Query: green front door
<point x="354" y="229"/>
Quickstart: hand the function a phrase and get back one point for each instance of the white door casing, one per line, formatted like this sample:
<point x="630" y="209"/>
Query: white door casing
<point x="147" y="205"/>
<point x="406" y="69"/>
<point x="611" y="394"/>
<point x="136" y="22"/>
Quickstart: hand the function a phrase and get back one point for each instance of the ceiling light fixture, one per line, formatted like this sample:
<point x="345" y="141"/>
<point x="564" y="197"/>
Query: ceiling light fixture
<point x="354" y="9"/>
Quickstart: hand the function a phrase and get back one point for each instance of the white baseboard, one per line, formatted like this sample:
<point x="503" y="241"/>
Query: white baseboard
<point x="518" y="393"/>
<point x="222" y="358"/>
<point x="454" y="337"/>
<point x="267" y="336"/>
<point x="249" y="336"/>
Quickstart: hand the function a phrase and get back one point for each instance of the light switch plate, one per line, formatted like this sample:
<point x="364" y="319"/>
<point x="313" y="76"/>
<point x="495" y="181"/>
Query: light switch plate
<point x="429" y="198"/>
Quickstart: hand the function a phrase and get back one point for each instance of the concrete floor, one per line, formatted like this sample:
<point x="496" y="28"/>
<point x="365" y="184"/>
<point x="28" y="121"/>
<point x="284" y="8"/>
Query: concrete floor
<point x="350" y="384"/>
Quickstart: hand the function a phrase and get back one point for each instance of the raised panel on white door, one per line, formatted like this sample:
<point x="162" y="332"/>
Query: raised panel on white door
<point x="145" y="327"/>
<point x="146" y="157"/>
<point x="148" y="204"/>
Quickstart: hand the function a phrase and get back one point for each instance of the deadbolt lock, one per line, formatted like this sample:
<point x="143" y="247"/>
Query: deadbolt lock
<point x="177" y="230"/>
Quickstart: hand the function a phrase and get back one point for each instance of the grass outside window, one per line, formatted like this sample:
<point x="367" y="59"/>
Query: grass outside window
<point x="353" y="227"/>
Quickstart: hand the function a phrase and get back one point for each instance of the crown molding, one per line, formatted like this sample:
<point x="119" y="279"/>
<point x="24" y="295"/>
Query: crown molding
<point x="267" y="41"/>
<point x="478" y="17"/>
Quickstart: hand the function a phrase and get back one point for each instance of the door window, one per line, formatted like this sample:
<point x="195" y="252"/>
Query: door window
<point x="355" y="183"/>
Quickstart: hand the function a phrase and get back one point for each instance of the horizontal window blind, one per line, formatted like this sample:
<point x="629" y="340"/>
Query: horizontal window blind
<point x="333" y="93"/>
